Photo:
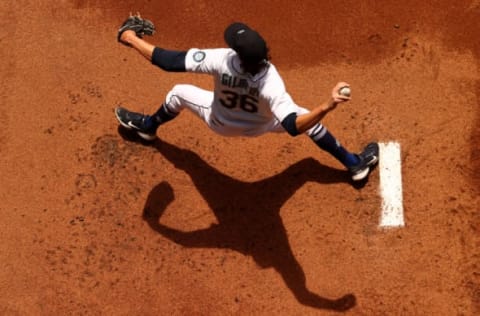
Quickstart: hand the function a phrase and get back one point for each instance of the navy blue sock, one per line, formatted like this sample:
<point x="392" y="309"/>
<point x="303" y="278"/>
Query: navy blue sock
<point x="161" y="116"/>
<point x="328" y="143"/>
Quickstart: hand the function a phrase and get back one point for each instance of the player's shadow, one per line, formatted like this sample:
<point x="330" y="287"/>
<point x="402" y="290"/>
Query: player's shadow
<point x="247" y="214"/>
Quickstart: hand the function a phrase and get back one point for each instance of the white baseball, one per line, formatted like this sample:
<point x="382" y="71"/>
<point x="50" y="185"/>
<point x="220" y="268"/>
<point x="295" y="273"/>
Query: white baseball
<point x="345" y="91"/>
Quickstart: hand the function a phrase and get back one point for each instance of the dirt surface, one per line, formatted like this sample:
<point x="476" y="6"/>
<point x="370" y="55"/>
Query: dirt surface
<point x="96" y="223"/>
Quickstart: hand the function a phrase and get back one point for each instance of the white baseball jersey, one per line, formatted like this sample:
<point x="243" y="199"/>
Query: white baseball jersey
<point x="242" y="104"/>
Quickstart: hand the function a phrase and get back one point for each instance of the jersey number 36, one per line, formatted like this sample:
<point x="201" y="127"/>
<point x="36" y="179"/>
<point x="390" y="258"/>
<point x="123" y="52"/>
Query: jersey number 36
<point x="246" y="102"/>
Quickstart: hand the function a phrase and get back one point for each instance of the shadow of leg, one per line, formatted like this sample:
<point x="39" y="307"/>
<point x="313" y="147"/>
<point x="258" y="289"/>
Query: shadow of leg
<point x="294" y="277"/>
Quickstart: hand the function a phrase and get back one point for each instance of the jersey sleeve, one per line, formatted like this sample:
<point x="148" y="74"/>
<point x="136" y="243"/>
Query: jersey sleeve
<point x="206" y="61"/>
<point x="280" y="101"/>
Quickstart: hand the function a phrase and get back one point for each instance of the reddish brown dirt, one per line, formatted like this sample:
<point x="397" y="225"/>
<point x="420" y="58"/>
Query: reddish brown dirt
<point x="94" y="222"/>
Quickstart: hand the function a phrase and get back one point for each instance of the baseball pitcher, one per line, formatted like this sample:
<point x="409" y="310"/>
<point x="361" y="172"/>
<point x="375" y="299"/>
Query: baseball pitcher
<point x="249" y="96"/>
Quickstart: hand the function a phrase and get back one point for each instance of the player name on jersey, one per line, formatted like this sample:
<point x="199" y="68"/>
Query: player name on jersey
<point x="235" y="82"/>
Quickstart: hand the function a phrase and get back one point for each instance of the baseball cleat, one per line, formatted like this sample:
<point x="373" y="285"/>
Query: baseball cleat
<point x="137" y="122"/>
<point x="368" y="158"/>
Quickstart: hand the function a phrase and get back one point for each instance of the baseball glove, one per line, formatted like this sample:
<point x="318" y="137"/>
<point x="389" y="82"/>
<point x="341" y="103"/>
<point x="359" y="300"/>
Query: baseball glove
<point x="137" y="24"/>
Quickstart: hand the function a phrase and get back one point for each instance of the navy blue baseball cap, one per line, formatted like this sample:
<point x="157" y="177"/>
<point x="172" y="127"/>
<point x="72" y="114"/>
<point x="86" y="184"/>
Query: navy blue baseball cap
<point x="249" y="45"/>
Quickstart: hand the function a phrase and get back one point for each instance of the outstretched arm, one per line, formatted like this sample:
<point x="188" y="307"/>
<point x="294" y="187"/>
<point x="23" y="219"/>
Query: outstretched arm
<point x="168" y="60"/>
<point x="306" y="121"/>
<point x="297" y="125"/>
<point x="143" y="47"/>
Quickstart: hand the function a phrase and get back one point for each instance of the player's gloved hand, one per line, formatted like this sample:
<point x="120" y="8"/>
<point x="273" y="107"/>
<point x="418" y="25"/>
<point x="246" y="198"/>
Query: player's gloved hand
<point x="136" y="24"/>
<point x="336" y="96"/>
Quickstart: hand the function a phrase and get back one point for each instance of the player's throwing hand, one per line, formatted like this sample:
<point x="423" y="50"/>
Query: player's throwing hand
<point x="336" y="96"/>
